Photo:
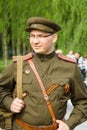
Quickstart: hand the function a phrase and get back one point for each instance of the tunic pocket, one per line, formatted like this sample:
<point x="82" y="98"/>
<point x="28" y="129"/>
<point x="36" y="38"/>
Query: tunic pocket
<point x="59" y="88"/>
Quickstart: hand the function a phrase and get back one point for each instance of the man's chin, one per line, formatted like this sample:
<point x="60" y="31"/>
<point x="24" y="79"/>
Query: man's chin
<point x="38" y="52"/>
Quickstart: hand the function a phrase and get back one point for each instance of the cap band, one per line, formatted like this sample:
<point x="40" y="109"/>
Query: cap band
<point x="41" y="27"/>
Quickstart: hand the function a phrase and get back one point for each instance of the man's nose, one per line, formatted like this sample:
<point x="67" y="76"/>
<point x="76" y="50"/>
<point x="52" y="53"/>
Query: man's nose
<point x="36" y="40"/>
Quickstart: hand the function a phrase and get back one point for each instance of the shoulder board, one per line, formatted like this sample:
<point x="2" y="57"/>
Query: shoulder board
<point x="65" y="58"/>
<point x="25" y="57"/>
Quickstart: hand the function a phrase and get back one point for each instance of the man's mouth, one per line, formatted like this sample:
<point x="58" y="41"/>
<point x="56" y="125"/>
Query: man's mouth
<point x="37" y="47"/>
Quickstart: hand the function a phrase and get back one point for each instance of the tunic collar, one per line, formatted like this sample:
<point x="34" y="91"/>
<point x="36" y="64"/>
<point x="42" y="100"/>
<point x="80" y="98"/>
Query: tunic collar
<point x="43" y="57"/>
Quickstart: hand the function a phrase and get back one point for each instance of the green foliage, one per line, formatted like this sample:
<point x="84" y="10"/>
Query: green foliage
<point x="71" y="15"/>
<point x="2" y="65"/>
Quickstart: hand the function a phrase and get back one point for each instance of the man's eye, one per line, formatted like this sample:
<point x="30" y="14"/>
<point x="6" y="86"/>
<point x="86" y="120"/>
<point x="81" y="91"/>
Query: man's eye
<point x="32" y="36"/>
<point x="41" y="36"/>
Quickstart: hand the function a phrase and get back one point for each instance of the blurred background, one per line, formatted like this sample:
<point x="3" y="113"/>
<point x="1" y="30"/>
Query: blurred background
<point x="71" y="15"/>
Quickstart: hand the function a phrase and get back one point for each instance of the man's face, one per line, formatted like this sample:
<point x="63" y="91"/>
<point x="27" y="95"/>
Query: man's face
<point x="41" y="42"/>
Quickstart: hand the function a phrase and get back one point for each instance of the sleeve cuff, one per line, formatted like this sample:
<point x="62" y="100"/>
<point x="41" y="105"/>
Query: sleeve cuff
<point x="7" y="102"/>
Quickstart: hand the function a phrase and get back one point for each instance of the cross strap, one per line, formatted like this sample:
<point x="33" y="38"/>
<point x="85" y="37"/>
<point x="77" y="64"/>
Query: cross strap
<point x="43" y="90"/>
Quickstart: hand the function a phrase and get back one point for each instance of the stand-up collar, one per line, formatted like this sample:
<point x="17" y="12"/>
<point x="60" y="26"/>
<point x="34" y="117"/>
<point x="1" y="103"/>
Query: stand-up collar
<point x="44" y="57"/>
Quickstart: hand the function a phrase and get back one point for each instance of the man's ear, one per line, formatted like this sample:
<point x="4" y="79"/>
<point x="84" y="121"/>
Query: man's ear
<point x="55" y="37"/>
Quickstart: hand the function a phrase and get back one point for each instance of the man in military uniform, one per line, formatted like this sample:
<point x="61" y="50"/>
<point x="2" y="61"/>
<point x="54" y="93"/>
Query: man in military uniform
<point x="60" y="76"/>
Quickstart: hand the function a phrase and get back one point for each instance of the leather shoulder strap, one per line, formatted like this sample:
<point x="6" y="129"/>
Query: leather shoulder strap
<point x="19" y="76"/>
<point x="43" y="90"/>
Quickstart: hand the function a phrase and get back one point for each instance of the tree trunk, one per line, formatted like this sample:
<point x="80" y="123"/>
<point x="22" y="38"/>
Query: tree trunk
<point x="4" y="47"/>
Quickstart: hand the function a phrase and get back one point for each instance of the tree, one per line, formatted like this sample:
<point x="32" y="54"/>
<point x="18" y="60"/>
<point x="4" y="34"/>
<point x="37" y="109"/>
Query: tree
<point x="71" y="15"/>
<point x="4" y="6"/>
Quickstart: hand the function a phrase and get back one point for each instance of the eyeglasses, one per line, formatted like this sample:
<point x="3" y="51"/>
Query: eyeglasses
<point x="39" y="37"/>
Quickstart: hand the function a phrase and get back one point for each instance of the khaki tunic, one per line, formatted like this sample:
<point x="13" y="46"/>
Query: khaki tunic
<point x="52" y="70"/>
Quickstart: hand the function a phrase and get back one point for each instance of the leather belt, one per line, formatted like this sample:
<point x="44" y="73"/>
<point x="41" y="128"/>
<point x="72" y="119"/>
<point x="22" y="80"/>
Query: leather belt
<point x="31" y="127"/>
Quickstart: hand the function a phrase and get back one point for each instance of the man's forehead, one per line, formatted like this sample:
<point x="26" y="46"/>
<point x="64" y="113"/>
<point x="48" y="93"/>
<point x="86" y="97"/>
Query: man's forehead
<point x="38" y="32"/>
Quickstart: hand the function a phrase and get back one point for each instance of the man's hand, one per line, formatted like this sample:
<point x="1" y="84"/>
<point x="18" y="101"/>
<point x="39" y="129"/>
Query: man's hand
<point x="62" y="125"/>
<point x="17" y="105"/>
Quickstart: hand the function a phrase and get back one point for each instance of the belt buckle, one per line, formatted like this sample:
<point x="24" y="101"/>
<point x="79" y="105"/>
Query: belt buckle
<point x="39" y="128"/>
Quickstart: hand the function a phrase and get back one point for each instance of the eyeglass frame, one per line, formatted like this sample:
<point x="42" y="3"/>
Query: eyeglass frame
<point x="39" y="37"/>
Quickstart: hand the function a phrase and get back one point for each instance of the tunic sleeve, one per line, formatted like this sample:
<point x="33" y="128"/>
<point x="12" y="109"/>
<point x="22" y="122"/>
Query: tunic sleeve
<point x="78" y="99"/>
<point x="6" y="86"/>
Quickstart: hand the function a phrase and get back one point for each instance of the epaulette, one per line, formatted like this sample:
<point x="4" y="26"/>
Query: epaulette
<point x="66" y="58"/>
<point x="25" y="57"/>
